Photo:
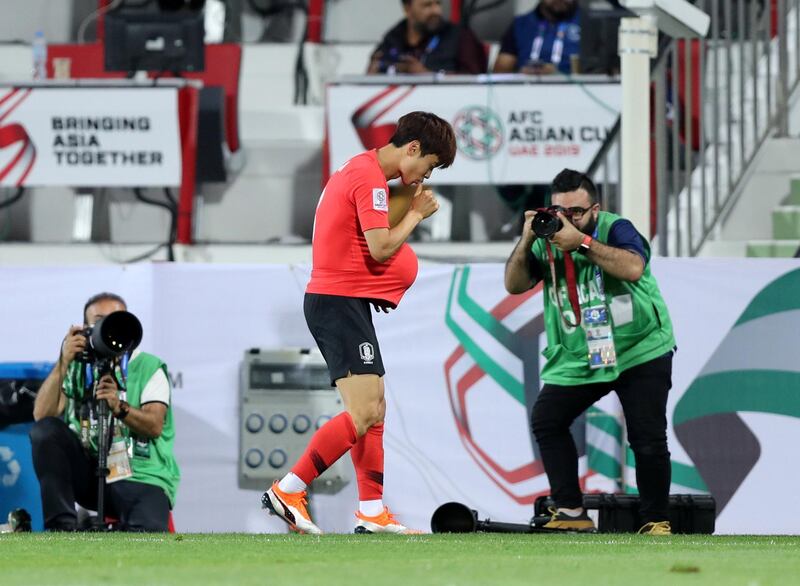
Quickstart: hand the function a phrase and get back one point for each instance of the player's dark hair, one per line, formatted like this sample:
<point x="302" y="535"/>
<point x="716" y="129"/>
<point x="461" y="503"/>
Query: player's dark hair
<point x="569" y="180"/>
<point x="105" y="296"/>
<point x="434" y="134"/>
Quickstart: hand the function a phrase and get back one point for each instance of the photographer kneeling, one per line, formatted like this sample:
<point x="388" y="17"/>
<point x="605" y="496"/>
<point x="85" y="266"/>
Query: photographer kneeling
<point x="608" y="329"/>
<point x="140" y="490"/>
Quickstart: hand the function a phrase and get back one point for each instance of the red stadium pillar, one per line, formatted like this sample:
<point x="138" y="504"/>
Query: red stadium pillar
<point x="101" y="19"/>
<point x="316" y="14"/>
<point x="188" y="110"/>
<point x="455" y="11"/>
<point x="773" y="18"/>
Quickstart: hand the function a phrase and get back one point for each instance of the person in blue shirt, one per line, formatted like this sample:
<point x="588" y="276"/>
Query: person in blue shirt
<point x="542" y="41"/>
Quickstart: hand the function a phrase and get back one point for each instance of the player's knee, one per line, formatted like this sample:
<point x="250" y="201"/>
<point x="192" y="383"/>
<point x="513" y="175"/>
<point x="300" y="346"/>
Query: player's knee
<point x="367" y="416"/>
<point x="381" y="411"/>
<point x="373" y="417"/>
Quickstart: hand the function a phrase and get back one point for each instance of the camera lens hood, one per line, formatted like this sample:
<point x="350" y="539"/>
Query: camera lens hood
<point x="115" y="334"/>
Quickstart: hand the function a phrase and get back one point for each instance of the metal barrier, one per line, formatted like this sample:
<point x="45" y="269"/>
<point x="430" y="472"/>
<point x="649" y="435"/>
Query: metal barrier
<point x="715" y="101"/>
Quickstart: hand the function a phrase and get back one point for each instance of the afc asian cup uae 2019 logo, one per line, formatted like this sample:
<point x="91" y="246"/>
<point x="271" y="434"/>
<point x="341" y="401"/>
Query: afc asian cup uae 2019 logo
<point x="479" y="132"/>
<point x="492" y="379"/>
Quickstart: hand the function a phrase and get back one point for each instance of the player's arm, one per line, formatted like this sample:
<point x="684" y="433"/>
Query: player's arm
<point x="383" y="243"/>
<point x="518" y="274"/>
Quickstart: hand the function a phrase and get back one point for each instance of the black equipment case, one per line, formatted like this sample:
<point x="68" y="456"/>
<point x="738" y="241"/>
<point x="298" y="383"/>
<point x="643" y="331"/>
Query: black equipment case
<point x="619" y="513"/>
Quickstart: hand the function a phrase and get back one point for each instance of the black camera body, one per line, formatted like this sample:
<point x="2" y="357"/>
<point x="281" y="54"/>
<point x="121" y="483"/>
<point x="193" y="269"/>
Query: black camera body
<point x="88" y="355"/>
<point x="546" y="223"/>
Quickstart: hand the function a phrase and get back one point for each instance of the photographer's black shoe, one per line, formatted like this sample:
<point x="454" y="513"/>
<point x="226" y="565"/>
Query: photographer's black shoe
<point x="567" y="523"/>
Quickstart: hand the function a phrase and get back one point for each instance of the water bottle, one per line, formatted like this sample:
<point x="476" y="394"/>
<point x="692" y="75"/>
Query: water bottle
<point x="39" y="48"/>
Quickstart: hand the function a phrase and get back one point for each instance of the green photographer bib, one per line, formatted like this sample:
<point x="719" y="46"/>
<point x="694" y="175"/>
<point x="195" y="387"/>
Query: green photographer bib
<point x="152" y="459"/>
<point x="642" y="329"/>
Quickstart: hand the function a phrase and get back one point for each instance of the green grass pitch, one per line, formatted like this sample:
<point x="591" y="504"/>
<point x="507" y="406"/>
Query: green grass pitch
<point x="490" y="559"/>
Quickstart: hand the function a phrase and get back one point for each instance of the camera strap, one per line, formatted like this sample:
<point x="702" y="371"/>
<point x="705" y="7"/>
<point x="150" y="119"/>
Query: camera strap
<point x="430" y="48"/>
<point x="572" y="286"/>
<point x="88" y="381"/>
<point x="122" y="381"/>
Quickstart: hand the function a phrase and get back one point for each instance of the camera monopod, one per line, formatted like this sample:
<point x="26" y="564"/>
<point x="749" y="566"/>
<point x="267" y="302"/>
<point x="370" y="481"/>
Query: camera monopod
<point x="457" y="518"/>
<point x="113" y="338"/>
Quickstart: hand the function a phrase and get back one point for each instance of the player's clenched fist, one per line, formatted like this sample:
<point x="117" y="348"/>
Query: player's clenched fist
<point x="424" y="202"/>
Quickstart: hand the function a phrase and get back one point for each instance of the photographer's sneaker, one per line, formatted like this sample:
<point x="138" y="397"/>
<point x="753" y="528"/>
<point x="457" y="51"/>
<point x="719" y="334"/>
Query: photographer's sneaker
<point x="383" y="523"/>
<point x="656" y="528"/>
<point x="291" y="507"/>
<point x="560" y="521"/>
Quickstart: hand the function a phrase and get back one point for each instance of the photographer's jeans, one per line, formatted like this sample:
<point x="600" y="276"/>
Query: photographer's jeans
<point x="642" y="390"/>
<point x="67" y="475"/>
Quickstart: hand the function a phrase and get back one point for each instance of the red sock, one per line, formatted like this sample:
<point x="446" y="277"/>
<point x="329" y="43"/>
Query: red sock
<point x="367" y="455"/>
<point x="329" y="444"/>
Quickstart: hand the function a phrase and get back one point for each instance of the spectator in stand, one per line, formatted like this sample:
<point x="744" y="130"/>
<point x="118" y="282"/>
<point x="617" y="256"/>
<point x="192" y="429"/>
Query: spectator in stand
<point x="542" y="42"/>
<point x="425" y="42"/>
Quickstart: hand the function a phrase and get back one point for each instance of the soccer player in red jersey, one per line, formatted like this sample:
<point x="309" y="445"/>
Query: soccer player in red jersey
<point x="358" y="260"/>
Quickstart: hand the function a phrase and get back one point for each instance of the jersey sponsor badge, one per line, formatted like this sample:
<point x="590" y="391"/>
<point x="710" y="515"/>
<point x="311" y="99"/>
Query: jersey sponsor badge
<point x="380" y="201"/>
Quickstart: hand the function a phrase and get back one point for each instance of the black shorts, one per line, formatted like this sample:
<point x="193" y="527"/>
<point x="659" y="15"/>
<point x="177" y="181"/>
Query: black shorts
<point x="343" y="330"/>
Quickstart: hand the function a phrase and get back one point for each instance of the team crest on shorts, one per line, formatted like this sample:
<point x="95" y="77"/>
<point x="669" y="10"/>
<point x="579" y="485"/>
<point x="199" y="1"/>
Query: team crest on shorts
<point x="367" y="352"/>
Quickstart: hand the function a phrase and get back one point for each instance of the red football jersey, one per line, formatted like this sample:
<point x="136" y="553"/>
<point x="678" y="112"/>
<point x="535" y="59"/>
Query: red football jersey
<point x="356" y="199"/>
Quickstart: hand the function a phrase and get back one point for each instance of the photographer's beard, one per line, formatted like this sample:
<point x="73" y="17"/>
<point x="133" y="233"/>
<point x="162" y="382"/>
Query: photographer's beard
<point x="590" y="226"/>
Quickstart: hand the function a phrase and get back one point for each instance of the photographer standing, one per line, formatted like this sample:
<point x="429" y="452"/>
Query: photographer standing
<point x="607" y="329"/>
<point x="140" y="490"/>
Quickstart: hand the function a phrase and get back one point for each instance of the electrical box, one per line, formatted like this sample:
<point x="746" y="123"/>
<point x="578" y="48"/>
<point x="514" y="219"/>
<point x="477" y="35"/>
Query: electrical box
<point x="286" y="395"/>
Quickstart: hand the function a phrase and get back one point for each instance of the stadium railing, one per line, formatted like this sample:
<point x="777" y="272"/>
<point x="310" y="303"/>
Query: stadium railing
<point x="715" y="101"/>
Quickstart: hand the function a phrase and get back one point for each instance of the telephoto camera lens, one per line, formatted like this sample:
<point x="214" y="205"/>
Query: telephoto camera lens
<point x="545" y="224"/>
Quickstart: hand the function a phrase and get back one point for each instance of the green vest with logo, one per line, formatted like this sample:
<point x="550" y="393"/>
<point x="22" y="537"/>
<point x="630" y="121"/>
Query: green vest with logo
<point x="152" y="459"/>
<point x="641" y="325"/>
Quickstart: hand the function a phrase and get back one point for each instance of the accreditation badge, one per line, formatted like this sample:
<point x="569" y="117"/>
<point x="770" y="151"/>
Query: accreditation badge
<point x="599" y="337"/>
<point x="119" y="465"/>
